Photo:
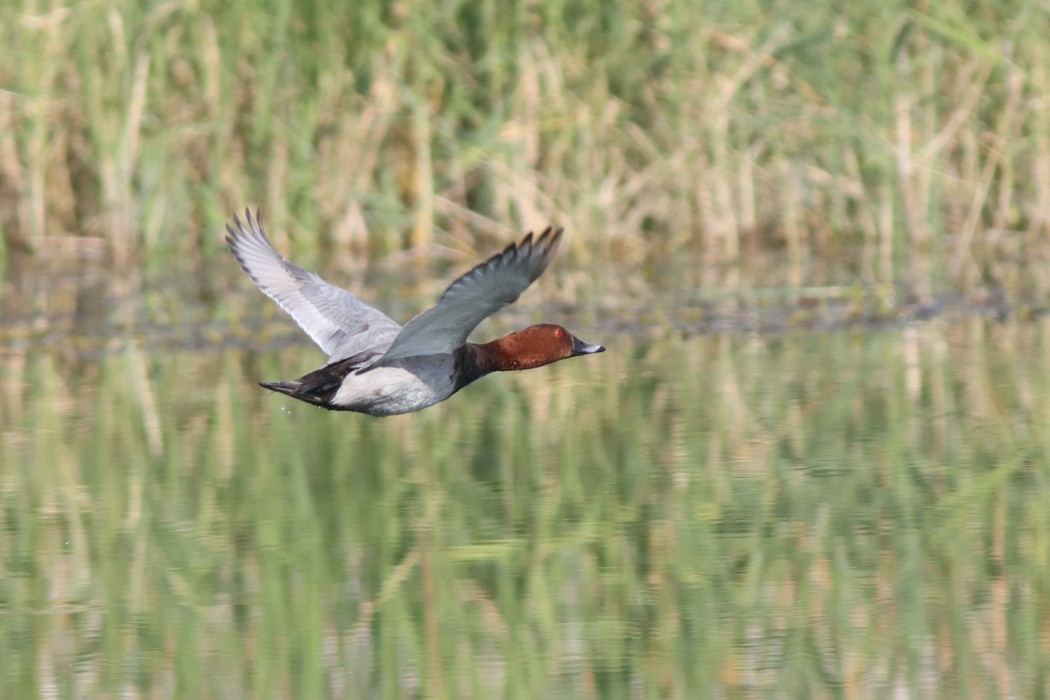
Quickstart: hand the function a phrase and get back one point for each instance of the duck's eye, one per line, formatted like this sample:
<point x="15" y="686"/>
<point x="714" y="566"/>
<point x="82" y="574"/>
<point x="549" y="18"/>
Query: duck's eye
<point x="558" y="332"/>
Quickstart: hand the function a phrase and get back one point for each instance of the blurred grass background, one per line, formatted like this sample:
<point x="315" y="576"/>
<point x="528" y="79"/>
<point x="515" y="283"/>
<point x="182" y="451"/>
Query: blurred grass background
<point x="761" y="143"/>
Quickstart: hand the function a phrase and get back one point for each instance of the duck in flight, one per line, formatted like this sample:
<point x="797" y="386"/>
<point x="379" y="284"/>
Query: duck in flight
<point x="378" y="367"/>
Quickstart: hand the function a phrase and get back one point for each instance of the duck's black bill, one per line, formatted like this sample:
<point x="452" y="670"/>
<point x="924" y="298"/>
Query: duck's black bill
<point x="581" y="348"/>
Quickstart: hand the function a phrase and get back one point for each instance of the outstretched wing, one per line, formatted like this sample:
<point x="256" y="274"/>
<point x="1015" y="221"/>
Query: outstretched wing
<point x="473" y="297"/>
<point x="340" y="323"/>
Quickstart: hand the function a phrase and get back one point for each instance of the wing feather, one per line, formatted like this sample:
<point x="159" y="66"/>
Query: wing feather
<point x="473" y="297"/>
<point x="340" y="323"/>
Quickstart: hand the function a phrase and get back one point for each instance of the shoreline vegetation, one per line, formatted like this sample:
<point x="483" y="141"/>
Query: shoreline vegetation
<point x="735" y="146"/>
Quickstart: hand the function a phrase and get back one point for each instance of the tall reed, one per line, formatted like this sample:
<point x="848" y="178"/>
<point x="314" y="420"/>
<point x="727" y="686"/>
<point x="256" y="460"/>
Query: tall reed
<point x="733" y="145"/>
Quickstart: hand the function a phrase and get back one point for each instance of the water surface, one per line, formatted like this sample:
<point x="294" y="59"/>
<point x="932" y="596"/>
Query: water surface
<point x="860" y="513"/>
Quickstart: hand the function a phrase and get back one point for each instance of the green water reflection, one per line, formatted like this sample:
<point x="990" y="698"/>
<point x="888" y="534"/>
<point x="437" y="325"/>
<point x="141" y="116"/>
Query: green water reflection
<point x="850" y="514"/>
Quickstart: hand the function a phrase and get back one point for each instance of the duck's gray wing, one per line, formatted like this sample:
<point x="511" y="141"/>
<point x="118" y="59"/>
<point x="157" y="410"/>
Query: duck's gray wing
<point x="473" y="297"/>
<point x="340" y="323"/>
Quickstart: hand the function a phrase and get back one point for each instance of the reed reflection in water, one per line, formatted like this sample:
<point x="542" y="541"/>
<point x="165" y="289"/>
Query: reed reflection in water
<point x="807" y="514"/>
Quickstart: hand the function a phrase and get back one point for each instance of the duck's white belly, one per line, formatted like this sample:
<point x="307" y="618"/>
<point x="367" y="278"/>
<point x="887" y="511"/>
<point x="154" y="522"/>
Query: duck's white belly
<point x="402" y="387"/>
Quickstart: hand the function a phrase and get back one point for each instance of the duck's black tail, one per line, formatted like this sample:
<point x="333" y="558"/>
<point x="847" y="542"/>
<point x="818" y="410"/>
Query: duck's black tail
<point x="317" y="387"/>
<point x="298" y="390"/>
<point x="318" y="395"/>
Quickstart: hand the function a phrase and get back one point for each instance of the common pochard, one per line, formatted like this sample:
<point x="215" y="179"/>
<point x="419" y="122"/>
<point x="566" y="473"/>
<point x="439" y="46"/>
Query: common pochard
<point x="381" y="368"/>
